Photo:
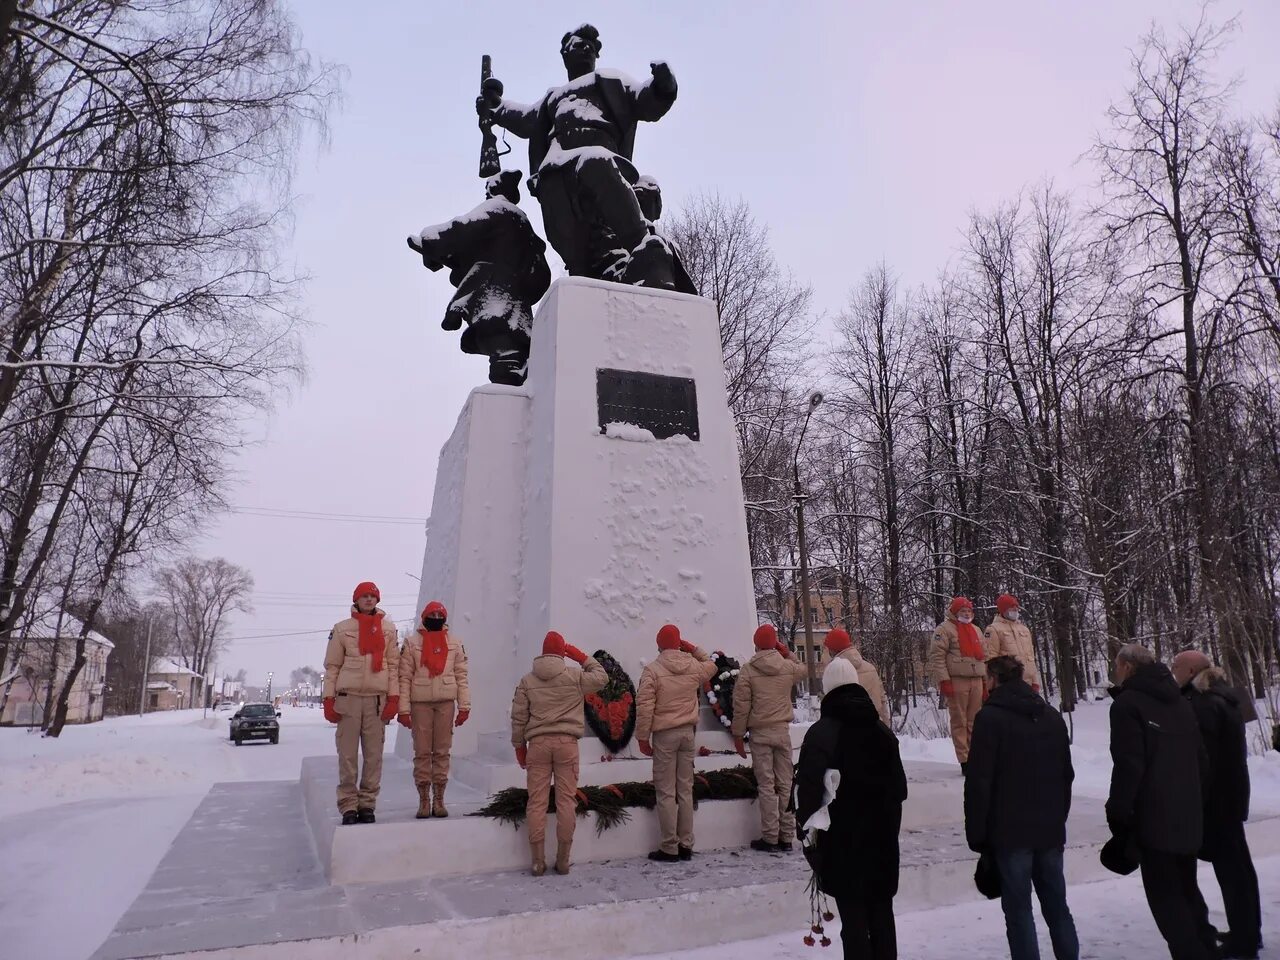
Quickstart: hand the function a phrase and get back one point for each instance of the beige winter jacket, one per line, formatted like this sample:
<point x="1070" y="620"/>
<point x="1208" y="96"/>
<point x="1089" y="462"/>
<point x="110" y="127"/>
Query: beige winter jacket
<point x="868" y="679"/>
<point x="418" y="686"/>
<point x="945" y="661"/>
<point x="347" y="670"/>
<point x="762" y="693"/>
<point x="668" y="694"/>
<point x="548" y="699"/>
<point x="1009" y="638"/>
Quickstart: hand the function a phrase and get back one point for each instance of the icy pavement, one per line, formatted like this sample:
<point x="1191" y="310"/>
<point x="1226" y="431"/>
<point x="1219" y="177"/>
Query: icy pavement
<point x="1111" y="917"/>
<point x="85" y="818"/>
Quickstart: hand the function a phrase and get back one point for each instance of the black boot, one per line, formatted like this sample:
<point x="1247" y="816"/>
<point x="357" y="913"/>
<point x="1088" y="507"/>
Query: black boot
<point x="663" y="857"/>
<point x="365" y="815"/>
<point x="685" y="853"/>
<point x="349" y="818"/>
<point x="764" y="846"/>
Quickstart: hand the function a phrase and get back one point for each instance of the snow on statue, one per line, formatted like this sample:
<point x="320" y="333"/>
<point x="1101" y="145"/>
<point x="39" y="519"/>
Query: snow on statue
<point x="497" y="264"/>
<point x="581" y="136"/>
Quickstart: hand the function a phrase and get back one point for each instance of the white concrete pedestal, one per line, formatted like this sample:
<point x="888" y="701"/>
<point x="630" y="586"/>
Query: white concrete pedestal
<point x="542" y="521"/>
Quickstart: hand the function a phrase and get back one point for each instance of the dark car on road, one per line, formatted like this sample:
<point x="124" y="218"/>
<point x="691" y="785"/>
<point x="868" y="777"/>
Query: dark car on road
<point x="255" y="721"/>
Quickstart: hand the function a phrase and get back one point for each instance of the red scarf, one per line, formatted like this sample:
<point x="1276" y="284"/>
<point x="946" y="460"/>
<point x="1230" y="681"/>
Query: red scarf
<point x="435" y="650"/>
<point x="371" y="639"/>
<point x="970" y="641"/>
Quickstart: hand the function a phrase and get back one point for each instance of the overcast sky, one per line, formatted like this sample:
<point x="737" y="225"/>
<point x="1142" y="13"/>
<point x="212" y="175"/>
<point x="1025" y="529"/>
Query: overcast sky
<point x="856" y="131"/>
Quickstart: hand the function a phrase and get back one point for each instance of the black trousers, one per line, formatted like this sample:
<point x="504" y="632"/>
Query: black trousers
<point x="1177" y="907"/>
<point x="867" y="928"/>
<point x="1233" y="866"/>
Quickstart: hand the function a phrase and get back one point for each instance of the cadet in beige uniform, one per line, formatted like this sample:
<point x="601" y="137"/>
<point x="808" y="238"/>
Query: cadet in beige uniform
<point x="433" y="679"/>
<point x="1008" y="636"/>
<point x="667" y="714"/>
<point x="762" y="707"/>
<point x="361" y="695"/>
<point x="546" y="725"/>
<point x="957" y="664"/>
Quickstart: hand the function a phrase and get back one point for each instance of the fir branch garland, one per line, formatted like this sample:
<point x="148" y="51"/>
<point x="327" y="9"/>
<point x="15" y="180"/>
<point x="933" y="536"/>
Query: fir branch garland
<point x="610" y="802"/>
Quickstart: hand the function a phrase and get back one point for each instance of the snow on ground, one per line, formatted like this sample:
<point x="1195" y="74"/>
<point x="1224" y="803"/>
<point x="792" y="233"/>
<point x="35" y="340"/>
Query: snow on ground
<point x="86" y="817"/>
<point x="169" y="753"/>
<point x="1111" y="916"/>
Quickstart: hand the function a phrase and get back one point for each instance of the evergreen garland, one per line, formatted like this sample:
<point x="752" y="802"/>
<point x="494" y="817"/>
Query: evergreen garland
<point x="610" y="802"/>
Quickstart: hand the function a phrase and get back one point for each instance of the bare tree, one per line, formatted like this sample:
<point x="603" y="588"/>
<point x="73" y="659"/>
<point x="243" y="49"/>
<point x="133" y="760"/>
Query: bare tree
<point x="144" y="162"/>
<point x="201" y="595"/>
<point x="1165" y="210"/>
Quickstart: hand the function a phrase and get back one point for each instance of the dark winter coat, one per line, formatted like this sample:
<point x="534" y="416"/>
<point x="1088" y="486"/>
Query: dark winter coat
<point x="858" y="855"/>
<point x="1157" y="761"/>
<point x="1226" y="787"/>
<point x="1017" y="789"/>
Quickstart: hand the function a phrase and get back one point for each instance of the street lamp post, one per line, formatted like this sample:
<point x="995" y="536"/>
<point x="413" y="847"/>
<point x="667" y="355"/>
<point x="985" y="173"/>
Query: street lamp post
<point x="269" y="676"/>
<point x="799" y="496"/>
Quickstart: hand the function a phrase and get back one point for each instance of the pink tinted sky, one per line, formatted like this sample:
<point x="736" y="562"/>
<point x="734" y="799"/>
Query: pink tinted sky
<point x="856" y="131"/>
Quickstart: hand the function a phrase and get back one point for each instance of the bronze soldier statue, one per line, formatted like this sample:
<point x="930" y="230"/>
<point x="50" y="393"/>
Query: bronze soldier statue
<point x="497" y="263"/>
<point x="581" y="137"/>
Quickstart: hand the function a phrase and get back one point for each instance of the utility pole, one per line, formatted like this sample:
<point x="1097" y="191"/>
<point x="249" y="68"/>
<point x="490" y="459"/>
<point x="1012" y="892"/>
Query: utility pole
<point x="810" y="658"/>
<point x="810" y="654"/>
<point x="146" y="672"/>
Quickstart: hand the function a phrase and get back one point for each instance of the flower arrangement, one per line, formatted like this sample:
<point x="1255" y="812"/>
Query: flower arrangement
<point x="611" y="713"/>
<point x="719" y="689"/>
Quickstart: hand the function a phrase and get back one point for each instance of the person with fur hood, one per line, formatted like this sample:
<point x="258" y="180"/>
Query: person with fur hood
<point x="762" y="707"/>
<point x="957" y="664"/>
<point x="1225" y="790"/>
<point x="850" y="787"/>
<point x="666" y="722"/>
<point x="433" y="680"/>
<point x="546" y="724"/>
<point x="361" y="696"/>
<point x="839" y="644"/>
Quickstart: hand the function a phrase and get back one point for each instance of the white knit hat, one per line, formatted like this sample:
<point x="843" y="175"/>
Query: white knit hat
<point x="839" y="672"/>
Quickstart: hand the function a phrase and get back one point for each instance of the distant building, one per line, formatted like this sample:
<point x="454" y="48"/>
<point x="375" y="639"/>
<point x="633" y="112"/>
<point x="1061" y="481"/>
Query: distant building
<point x="171" y="686"/>
<point x="43" y="654"/>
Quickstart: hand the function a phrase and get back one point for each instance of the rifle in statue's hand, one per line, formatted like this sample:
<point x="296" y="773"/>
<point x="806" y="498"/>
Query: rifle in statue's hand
<point x="489" y="162"/>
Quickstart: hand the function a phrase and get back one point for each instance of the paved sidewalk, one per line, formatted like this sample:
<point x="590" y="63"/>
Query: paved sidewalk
<point x="244" y="871"/>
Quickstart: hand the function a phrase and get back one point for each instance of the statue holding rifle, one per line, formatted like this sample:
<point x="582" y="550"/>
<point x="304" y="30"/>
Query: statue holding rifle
<point x="581" y="136"/>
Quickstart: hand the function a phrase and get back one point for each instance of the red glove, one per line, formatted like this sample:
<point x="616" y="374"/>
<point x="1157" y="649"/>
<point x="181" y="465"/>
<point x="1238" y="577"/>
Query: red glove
<point x="522" y="756"/>
<point x="462" y="717"/>
<point x="406" y="721"/>
<point x="688" y="647"/>
<point x="330" y="714"/>
<point x="573" y="653"/>
<point x="390" y="710"/>
<point x="947" y="688"/>
<point x="783" y="649"/>
<point x="740" y="746"/>
<point x="644" y="747"/>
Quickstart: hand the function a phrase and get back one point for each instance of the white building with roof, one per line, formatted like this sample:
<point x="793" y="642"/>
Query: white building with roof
<point x="41" y="656"/>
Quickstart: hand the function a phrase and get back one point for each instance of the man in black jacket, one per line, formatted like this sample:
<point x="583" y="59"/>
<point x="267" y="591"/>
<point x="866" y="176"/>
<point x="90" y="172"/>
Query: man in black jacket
<point x="1017" y="795"/>
<point x="1154" y="807"/>
<point x="1226" y="798"/>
